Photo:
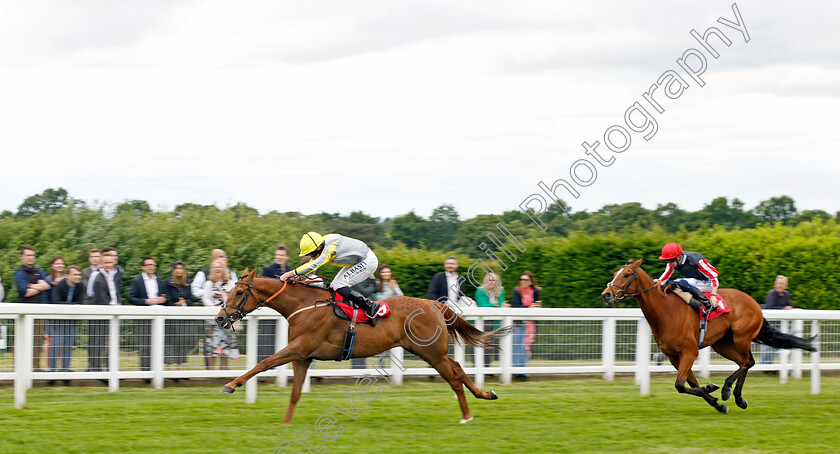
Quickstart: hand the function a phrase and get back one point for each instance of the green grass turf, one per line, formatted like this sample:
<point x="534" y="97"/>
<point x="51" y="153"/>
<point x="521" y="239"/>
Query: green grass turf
<point x="546" y="415"/>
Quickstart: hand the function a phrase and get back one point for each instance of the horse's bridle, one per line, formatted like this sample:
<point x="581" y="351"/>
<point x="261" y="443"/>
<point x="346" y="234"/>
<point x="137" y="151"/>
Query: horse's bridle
<point x="611" y="285"/>
<point x="240" y="313"/>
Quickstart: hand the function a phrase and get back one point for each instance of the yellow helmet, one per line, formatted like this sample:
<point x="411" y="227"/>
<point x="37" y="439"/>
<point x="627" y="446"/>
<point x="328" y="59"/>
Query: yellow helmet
<point x="309" y="242"/>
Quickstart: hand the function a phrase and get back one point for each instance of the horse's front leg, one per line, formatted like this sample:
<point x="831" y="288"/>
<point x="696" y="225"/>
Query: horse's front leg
<point x="300" y="368"/>
<point x="292" y="352"/>
<point x="683" y="364"/>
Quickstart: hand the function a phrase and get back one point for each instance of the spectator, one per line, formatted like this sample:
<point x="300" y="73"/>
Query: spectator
<point x="2" y="291"/>
<point x="57" y="266"/>
<point x="146" y="290"/>
<point x="218" y="343"/>
<point x="197" y="285"/>
<point x="279" y="267"/>
<point x="56" y="274"/>
<point x="69" y="290"/>
<point x="104" y="290"/>
<point x="268" y="328"/>
<point x="31" y="283"/>
<point x="778" y="298"/>
<point x="386" y="286"/>
<point x="118" y="272"/>
<point x="180" y="335"/>
<point x="490" y="294"/>
<point x="526" y="294"/>
<point x="94" y="257"/>
<point x="448" y="284"/>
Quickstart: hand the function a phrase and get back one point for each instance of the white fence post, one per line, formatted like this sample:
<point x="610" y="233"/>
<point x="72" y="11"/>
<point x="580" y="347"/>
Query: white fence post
<point x="23" y="357"/>
<point x="784" y="356"/>
<point x="156" y="360"/>
<point x="815" y="359"/>
<point x="705" y="363"/>
<point x="796" y="354"/>
<point x="478" y="356"/>
<point x="397" y="364"/>
<point x="506" y="353"/>
<point x="608" y="348"/>
<point x="114" y="354"/>
<point x="281" y="340"/>
<point x="251" y="358"/>
<point x="643" y="357"/>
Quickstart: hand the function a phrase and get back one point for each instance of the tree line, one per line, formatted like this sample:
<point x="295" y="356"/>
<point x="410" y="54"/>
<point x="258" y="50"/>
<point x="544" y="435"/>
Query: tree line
<point x="573" y="258"/>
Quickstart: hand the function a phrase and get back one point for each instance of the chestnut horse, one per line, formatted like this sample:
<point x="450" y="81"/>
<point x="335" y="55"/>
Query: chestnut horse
<point x="421" y="326"/>
<point x="676" y="326"/>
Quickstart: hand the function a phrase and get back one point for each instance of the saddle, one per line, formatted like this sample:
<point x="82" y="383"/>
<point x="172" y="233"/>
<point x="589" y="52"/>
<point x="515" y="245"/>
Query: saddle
<point x="345" y="311"/>
<point x="722" y="308"/>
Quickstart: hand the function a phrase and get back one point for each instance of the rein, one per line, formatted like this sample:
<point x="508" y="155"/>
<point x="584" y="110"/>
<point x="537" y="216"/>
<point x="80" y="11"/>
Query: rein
<point x="249" y="292"/>
<point x="623" y="289"/>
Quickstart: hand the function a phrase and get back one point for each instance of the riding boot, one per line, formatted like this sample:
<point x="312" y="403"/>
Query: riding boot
<point x="362" y="302"/>
<point x="699" y="296"/>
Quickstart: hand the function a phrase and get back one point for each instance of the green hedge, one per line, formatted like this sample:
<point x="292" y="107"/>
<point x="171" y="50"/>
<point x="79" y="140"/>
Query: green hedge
<point x="573" y="269"/>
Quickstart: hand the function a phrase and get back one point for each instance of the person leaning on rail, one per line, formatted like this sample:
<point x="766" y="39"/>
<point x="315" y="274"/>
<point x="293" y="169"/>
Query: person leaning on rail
<point x="700" y="276"/>
<point x="355" y="257"/>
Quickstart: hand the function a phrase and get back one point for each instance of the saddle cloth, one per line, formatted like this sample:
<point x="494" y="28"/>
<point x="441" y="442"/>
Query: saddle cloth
<point x="722" y="308"/>
<point x="344" y="311"/>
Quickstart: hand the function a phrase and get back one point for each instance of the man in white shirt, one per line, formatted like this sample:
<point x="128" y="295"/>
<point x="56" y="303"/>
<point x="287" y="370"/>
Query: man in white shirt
<point x="145" y="290"/>
<point x="104" y="289"/>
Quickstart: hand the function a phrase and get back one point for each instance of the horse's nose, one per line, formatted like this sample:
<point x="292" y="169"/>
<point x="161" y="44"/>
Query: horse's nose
<point x="608" y="298"/>
<point x="220" y="320"/>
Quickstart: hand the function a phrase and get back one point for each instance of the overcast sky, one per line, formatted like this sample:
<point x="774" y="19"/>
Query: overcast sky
<point x="388" y="106"/>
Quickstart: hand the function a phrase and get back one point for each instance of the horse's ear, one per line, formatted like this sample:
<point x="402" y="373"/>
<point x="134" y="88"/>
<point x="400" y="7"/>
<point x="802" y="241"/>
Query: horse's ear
<point x="245" y="273"/>
<point x="637" y="263"/>
<point x="254" y="272"/>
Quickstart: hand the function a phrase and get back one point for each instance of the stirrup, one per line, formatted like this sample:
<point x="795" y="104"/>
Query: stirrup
<point x="372" y="307"/>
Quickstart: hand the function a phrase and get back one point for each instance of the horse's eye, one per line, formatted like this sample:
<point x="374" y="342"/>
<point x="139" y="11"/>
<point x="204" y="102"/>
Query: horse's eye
<point x="627" y="275"/>
<point x="239" y="293"/>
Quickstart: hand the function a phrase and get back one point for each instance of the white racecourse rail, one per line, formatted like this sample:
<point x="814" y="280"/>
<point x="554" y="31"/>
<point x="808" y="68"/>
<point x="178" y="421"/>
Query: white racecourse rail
<point x="602" y="341"/>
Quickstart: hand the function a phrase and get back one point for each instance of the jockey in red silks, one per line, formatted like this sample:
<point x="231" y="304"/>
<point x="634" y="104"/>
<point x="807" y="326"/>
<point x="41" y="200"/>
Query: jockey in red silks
<point x="700" y="276"/>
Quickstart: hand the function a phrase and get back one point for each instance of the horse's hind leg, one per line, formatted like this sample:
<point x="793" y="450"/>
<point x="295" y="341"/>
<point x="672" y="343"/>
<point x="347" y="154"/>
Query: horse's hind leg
<point x="465" y="379"/>
<point x="300" y="367"/>
<point x="443" y="365"/>
<point x="745" y="361"/>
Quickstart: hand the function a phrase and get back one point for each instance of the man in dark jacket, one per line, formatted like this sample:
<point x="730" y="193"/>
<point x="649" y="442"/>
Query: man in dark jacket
<point x="69" y="290"/>
<point x="268" y="328"/>
<point x="146" y="290"/>
<point x="104" y="289"/>
<point x="447" y="284"/>
<point x="778" y="298"/>
<point x="31" y="282"/>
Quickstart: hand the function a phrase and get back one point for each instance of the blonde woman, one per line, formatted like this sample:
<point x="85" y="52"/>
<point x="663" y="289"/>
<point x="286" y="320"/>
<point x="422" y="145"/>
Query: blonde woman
<point x="490" y="293"/>
<point x="218" y="343"/>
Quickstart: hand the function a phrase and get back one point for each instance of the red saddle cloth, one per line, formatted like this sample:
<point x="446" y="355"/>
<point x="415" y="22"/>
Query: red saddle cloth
<point x="384" y="310"/>
<point x="722" y="308"/>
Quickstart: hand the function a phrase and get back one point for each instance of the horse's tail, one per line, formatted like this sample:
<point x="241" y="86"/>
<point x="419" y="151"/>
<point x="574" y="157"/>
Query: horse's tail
<point x="461" y="331"/>
<point x="777" y="339"/>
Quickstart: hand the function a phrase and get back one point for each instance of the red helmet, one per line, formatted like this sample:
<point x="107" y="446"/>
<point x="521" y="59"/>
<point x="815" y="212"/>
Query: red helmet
<point x="671" y="251"/>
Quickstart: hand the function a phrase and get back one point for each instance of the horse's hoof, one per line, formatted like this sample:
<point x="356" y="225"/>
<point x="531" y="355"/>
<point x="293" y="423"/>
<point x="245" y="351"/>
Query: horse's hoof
<point x="464" y="421"/>
<point x="227" y="390"/>
<point x="711" y="387"/>
<point x="493" y="395"/>
<point x="741" y="403"/>
<point x="723" y="409"/>
<point x="726" y="393"/>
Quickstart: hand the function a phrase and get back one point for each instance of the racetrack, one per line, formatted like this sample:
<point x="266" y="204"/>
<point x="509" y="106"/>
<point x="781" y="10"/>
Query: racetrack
<point x="543" y="415"/>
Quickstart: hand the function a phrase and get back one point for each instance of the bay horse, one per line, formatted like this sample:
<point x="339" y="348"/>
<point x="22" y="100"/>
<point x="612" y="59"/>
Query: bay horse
<point x="676" y="326"/>
<point x="420" y="326"/>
